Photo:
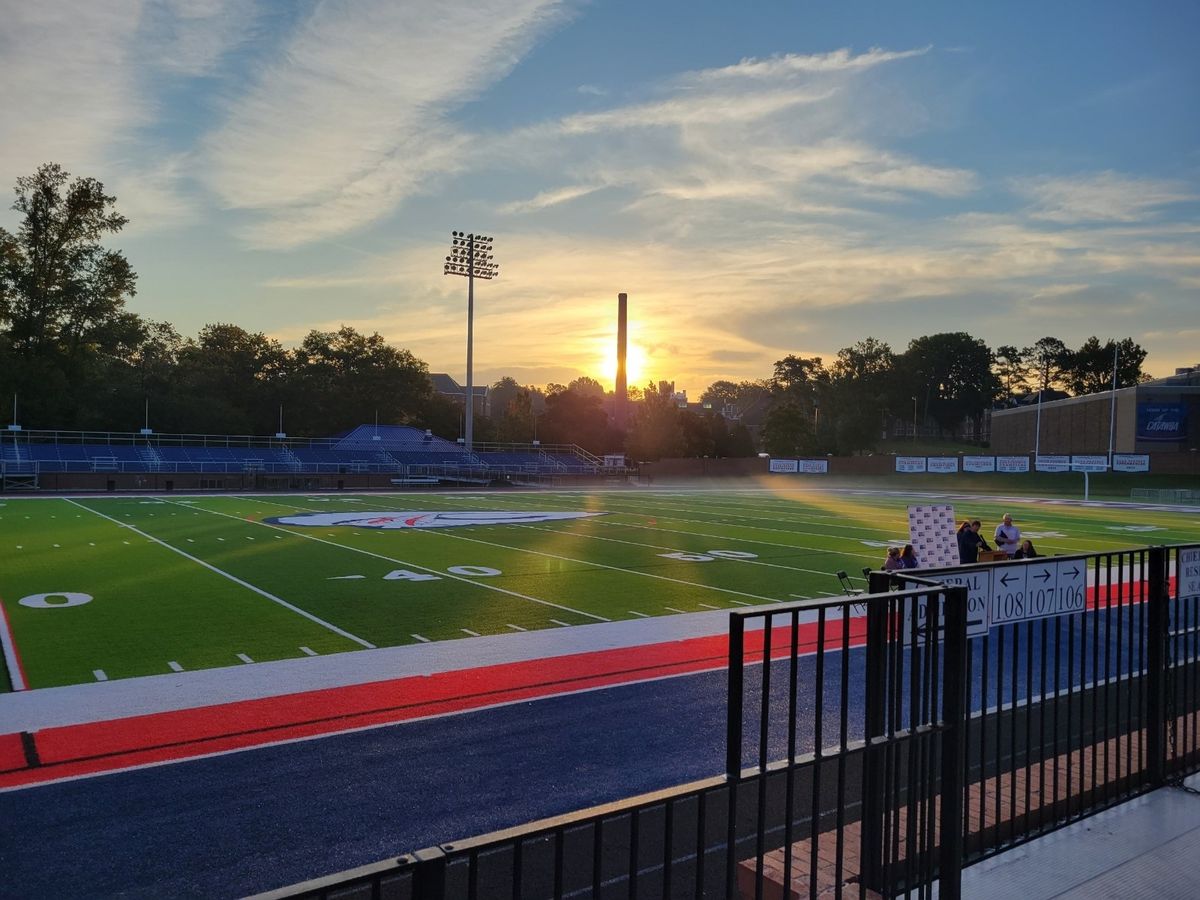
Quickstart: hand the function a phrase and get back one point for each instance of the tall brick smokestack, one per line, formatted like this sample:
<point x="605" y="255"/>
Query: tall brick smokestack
<point x="620" y="388"/>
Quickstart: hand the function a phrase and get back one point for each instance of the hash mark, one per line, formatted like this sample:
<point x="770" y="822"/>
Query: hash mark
<point x="516" y="627"/>
<point x="563" y="624"/>
<point x="673" y="609"/>
<point x="244" y="658"/>
<point x="174" y="666"/>
<point x="423" y="640"/>
<point x="709" y="606"/>
<point x="308" y="651"/>
<point x="99" y="673"/>
<point x="634" y="612"/>
<point x="470" y="632"/>
<point x="741" y="602"/>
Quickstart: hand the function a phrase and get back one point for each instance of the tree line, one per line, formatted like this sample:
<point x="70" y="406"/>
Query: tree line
<point x="78" y="359"/>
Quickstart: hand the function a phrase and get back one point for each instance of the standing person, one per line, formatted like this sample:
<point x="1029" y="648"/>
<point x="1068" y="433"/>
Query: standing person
<point x="891" y="562"/>
<point x="908" y="558"/>
<point x="1026" y="550"/>
<point x="970" y="542"/>
<point x="1008" y="536"/>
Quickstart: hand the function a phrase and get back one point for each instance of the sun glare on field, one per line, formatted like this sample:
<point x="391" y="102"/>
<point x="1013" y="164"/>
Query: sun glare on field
<point x="635" y="368"/>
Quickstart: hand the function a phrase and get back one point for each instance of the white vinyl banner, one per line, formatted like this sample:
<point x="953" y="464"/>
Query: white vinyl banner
<point x="1131" y="462"/>
<point x="1012" y="463"/>
<point x="931" y="531"/>
<point x="784" y="466"/>
<point x="1089" y="463"/>
<point x="910" y="464"/>
<point x="1053" y="463"/>
<point x="942" y="464"/>
<point x="979" y="464"/>
<point x="1187" y="575"/>
<point x="814" y="466"/>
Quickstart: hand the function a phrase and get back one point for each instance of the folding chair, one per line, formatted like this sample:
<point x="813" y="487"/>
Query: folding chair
<point x="849" y="589"/>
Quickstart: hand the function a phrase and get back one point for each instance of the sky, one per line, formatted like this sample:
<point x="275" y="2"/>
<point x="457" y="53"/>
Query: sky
<point x="762" y="179"/>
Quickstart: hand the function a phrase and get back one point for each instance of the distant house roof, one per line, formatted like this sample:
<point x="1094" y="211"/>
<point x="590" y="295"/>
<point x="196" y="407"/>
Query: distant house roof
<point x="444" y="384"/>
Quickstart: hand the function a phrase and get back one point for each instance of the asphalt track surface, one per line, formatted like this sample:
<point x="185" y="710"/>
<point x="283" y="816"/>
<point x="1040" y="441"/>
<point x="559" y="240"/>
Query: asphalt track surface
<point x="263" y="818"/>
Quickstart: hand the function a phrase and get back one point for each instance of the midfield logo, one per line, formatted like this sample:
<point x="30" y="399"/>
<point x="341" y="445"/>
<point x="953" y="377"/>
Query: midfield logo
<point x="426" y="519"/>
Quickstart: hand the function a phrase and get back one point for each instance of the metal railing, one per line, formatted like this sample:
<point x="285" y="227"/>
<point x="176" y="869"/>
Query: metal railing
<point x="878" y="744"/>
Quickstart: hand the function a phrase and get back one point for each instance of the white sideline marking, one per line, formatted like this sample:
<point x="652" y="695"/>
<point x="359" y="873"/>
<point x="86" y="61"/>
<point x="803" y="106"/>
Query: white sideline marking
<point x="232" y="578"/>
<point x="516" y="627"/>
<point x="308" y="651"/>
<point x="634" y="612"/>
<point x="175" y="667"/>
<point x="99" y="674"/>
<point x="470" y="632"/>
<point x="563" y="624"/>
<point x="10" y="653"/>
<point x="673" y="609"/>
<point x="707" y="605"/>
<point x="244" y="658"/>
<point x="423" y="640"/>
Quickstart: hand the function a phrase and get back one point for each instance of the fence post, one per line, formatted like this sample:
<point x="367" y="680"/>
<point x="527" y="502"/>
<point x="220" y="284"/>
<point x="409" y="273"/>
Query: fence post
<point x="874" y="805"/>
<point x="954" y="724"/>
<point x="733" y="743"/>
<point x="1157" y="622"/>
<point x="429" y="874"/>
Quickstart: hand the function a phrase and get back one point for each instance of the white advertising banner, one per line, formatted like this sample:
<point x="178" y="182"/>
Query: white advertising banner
<point x="1089" y="463"/>
<point x="942" y="464"/>
<point x="1012" y="463"/>
<point x="1187" y="576"/>
<point x="785" y="466"/>
<point x="910" y="464"/>
<point x="814" y="466"/>
<point x="979" y="464"/>
<point x="931" y="531"/>
<point x="1053" y="463"/>
<point x="1131" y="462"/>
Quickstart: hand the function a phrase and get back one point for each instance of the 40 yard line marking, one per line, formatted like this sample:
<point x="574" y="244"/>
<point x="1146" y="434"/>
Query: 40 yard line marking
<point x="401" y="562"/>
<point x="232" y="578"/>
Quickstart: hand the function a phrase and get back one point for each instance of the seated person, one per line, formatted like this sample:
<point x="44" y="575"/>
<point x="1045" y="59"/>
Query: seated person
<point x="891" y="562"/>
<point x="1026" y="551"/>
<point x="1008" y="536"/>
<point x="908" y="558"/>
<point x="970" y="542"/>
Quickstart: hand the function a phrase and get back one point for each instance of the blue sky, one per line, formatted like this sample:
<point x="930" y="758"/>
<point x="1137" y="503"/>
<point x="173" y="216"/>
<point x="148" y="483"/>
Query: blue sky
<point x="762" y="179"/>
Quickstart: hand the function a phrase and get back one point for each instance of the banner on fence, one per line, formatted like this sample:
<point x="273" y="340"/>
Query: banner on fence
<point x="784" y="466"/>
<point x="1089" y="463"/>
<point x="1131" y="462"/>
<point x="942" y="464"/>
<point x="979" y="464"/>
<point x="931" y="531"/>
<point x="1053" y="464"/>
<point x="814" y="466"/>
<point x="910" y="464"/>
<point x="1188" y="575"/>
<point x="1012" y="463"/>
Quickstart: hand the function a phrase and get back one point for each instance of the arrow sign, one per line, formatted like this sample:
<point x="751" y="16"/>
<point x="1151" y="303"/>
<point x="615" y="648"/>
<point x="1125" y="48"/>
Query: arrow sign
<point x="1007" y="578"/>
<point x="1074" y="572"/>
<point x="1043" y="575"/>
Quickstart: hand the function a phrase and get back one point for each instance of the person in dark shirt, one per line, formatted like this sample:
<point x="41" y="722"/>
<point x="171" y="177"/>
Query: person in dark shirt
<point x="1026" y="551"/>
<point x="908" y="558"/>
<point x="970" y="542"/>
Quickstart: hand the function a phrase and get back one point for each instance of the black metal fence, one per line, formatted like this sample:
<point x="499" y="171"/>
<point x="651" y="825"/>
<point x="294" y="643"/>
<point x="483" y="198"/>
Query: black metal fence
<point x="878" y="744"/>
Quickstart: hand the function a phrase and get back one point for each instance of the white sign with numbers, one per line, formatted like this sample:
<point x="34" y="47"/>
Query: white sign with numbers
<point x="1038" y="590"/>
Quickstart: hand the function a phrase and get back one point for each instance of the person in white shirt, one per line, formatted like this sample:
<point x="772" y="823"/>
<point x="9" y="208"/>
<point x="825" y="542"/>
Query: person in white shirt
<point x="1008" y="536"/>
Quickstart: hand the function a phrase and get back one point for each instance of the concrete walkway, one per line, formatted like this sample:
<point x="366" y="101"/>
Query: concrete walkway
<point x="1146" y="848"/>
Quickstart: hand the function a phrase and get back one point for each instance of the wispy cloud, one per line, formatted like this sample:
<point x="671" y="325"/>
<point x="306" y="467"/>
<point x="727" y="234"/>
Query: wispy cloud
<point x="775" y="67"/>
<point x="352" y="116"/>
<point x="546" y="199"/>
<point x="1101" y="197"/>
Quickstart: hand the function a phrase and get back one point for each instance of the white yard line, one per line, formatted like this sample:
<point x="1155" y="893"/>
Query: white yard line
<point x="231" y="577"/>
<point x="10" y="653"/>
<point x="401" y="562"/>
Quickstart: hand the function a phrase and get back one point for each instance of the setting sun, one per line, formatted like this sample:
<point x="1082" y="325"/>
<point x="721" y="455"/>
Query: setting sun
<point x="634" y="363"/>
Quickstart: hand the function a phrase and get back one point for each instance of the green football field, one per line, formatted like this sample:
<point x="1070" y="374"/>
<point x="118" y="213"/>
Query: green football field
<point x="103" y="587"/>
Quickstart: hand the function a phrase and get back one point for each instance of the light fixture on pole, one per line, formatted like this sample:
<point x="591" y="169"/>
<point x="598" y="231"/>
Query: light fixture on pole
<point x="471" y="257"/>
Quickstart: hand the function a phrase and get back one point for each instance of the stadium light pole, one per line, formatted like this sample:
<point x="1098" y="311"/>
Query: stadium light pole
<point x="471" y="257"/>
